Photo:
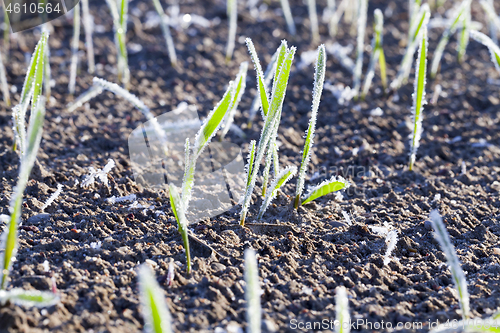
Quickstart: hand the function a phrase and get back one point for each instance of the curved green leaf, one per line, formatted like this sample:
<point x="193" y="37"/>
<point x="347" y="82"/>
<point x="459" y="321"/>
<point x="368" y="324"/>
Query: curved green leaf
<point x="326" y="187"/>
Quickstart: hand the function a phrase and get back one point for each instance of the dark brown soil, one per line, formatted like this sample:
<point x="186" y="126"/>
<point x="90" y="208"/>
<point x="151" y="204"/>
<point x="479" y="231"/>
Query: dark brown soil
<point x="314" y="251"/>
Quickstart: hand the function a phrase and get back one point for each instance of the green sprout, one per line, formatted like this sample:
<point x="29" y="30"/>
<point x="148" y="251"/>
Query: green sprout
<point x="319" y="79"/>
<point x="360" y="44"/>
<point x="74" y="48"/>
<point x="156" y="315"/>
<point x="252" y="292"/>
<point x="416" y="31"/>
<point x="377" y="54"/>
<point x="272" y="116"/>
<point x="180" y="204"/>
<point x="166" y="33"/>
<point x="281" y="179"/>
<point x="450" y="30"/>
<point x="3" y="82"/>
<point x="419" y="96"/>
<point x="326" y="187"/>
<point x="119" y="12"/>
<point x="232" y="13"/>
<point x="287" y="12"/>
<point x="241" y="83"/>
<point x="31" y="143"/>
<point x="457" y="273"/>
<point x="89" y="43"/>
<point x="492" y="47"/>
<point x="464" y="34"/>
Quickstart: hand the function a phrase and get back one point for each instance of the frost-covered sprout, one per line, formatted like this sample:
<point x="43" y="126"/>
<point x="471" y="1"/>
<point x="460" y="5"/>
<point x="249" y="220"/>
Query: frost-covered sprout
<point x="319" y="79"/>
<point x="281" y="179"/>
<point x="88" y="24"/>
<point x="271" y="119"/>
<point x="342" y="316"/>
<point x="287" y="12"/>
<point x="391" y="241"/>
<point x="271" y="150"/>
<point x="464" y="34"/>
<point x="74" y="49"/>
<point x="377" y="54"/>
<point x="492" y="47"/>
<point x="492" y="17"/>
<point x="119" y="12"/>
<point x="252" y="292"/>
<point x="47" y="71"/>
<point x="419" y="96"/>
<point x="31" y="92"/>
<point x="450" y="30"/>
<point x="415" y="37"/>
<point x="261" y="86"/>
<point x="360" y="43"/>
<point x="334" y="184"/>
<point x="335" y="18"/>
<point x="28" y="298"/>
<point x="443" y="238"/>
<point x="180" y="204"/>
<point x="250" y="163"/>
<point x="29" y="144"/>
<point x="166" y="33"/>
<point x="241" y="83"/>
<point x="3" y="82"/>
<point x="156" y="315"/>
<point x="232" y="12"/>
<point x="268" y="75"/>
<point x="313" y="17"/>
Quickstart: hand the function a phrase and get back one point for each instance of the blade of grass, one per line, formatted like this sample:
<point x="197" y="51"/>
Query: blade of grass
<point x="232" y="7"/>
<point x="360" y="44"/>
<point x="450" y="30"/>
<point x="464" y="34"/>
<point x="419" y="96"/>
<point x="88" y="24"/>
<point x="74" y="48"/>
<point x="28" y="298"/>
<point x="166" y="33"/>
<point x="241" y="83"/>
<point x="287" y="12"/>
<point x="313" y="18"/>
<point x="252" y="292"/>
<point x="377" y="54"/>
<point x="156" y="315"/>
<point x="319" y="79"/>
<point x="326" y="187"/>
<point x="492" y="47"/>
<point x="261" y="86"/>
<point x="179" y="211"/>
<point x="281" y="179"/>
<point x="443" y="238"/>
<point x="3" y="82"/>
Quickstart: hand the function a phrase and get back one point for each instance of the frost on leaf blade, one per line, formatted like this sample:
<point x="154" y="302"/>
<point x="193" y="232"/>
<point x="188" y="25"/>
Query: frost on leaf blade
<point x="319" y="79"/>
<point x="261" y="87"/>
<point x="281" y="179"/>
<point x="328" y="186"/>
<point x="419" y="96"/>
<point x="28" y="298"/>
<point x="155" y="311"/>
<point x="252" y="292"/>
<point x="443" y="238"/>
<point x="492" y="47"/>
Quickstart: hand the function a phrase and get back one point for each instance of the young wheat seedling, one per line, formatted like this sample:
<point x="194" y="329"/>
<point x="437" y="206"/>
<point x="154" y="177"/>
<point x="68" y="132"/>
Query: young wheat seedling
<point x="232" y="12"/>
<point x="166" y="33"/>
<point x="494" y="23"/>
<point x="241" y="83"/>
<point x="450" y="30"/>
<point x="377" y="54"/>
<point x="47" y="27"/>
<point x="119" y="12"/>
<point x="287" y="12"/>
<point x="74" y="48"/>
<point x="464" y="34"/>
<point x="252" y="292"/>
<point x="319" y="79"/>
<point x="419" y="96"/>
<point x="492" y="47"/>
<point x="3" y="82"/>
<point x="313" y="17"/>
<point x="342" y="315"/>
<point x="281" y="179"/>
<point x="360" y="44"/>
<point x="416" y="32"/>
<point x="88" y="24"/>
<point x="457" y="273"/>
<point x="179" y="210"/>
<point x="272" y="116"/>
<point x="156" y="315"/>
<point x="326" y="187"/>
